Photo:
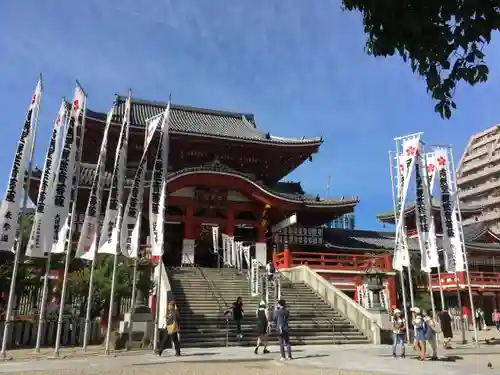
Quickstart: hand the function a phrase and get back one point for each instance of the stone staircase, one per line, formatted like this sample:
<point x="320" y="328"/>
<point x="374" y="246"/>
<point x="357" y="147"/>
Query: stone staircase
<point x="203" y="294"/>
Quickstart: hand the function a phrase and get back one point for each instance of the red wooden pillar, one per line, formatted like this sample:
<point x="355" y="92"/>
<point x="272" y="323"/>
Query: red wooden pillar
<point x="391" y="292"/>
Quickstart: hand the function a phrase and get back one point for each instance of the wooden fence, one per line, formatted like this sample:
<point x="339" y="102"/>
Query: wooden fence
<point x="23" y="333"/>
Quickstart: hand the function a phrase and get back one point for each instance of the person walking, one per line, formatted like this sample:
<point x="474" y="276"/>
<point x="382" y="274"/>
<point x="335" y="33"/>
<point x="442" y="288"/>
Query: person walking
<point x="446" y="329"/>
<point x="495" y="317"/>
<point x="420" y="332"/>
<point x="262" y="328"/>
<point x="281" y="316"/>
<point x="238" y="313"/>
<point x="398" y="333"/>
<point x="171" y="332"/>
<point x="431" y="333"/>
<point x="270" y="271"/>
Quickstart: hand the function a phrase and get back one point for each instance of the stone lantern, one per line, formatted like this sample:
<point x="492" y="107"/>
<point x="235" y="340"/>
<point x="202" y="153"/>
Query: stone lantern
<point x="373" y="280"/>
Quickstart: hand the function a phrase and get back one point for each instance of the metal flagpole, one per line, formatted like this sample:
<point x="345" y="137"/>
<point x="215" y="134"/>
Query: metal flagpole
<point x="403" y="233"/>
<point x="67" y="258"/>
<point x="112" y="294"/>
<point x="441" y="294"/>
<point x="134" y="278"/>
<point x="19" y="243"/>
<point x="89" y="301"/>
<point x="429" y="197"/>
<point x="43" y="303"/>
<point x="464" y="249"/>
<point x="132" y="305"/>
<point x="410" y="284"/>
<point x="157" y="309"/>
<point x="461" y="315"/>
<point x="405" y="310"/>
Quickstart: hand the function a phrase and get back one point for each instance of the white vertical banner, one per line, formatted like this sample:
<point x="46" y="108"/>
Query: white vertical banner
<point x="401" y="256"/>
<point x="246" y="254"/>
<point x="10" y="207"/>
<point x="254" y="278"/>
<point x="109" y="241"/>
<point x="431" y="171"/>
<point x="225" y="249"/>
<point x="87" y="243"/>
<point x="59" y="220"/>
<point x="215" y="238"/>
<point x="131" y="224"/>
<point x="35" y="247"/>
<point x="158" y="189"/>
<point x="232" y="251"/>
<point x="410" y="147"/>
<point x="423" y="212"/>
<point x="237" y="247"/>
<point x="452" y="243"/>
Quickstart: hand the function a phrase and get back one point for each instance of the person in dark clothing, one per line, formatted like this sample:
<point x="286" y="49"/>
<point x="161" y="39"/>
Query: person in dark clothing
<point x="281" y="316"/>
<point x="445" y="321"/>
<point x="237" y="310"/>
<point x="262" y="328"/>
<point x="171" y="333"/>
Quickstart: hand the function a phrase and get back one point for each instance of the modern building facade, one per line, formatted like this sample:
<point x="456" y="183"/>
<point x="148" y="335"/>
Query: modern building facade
<point x="478" y="177"/>
<point x="346" y="221"/>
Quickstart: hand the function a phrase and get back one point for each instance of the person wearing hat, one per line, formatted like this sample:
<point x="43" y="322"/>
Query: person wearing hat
<point x="262" y="328"/>
<point x="420" y="332"/>
<point x="281" y="316"/>
<point x="398" y="332"/>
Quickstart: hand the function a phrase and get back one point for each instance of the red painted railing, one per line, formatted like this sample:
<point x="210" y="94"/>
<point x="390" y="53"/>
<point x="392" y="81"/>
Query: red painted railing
<point x="476" y="278"/>
<point x="329" y="261"/>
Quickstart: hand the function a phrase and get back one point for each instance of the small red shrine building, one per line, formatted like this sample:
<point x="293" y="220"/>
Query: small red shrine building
<point x="483" y="255"/>
<point x="223" y="171"/>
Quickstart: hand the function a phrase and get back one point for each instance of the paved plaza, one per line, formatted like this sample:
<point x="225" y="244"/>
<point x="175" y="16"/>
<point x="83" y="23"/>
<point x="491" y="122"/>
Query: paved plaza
<point x="352" y="359"/>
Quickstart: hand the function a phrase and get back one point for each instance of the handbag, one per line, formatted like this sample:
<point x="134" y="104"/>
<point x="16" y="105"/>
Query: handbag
<point x="171" y="328"/>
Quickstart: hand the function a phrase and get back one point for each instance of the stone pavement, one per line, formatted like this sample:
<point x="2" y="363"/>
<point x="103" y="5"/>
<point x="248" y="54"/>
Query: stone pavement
<point x="328" y="359"/>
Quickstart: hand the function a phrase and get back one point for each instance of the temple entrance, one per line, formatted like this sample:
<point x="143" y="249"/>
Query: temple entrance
<point x="173" y="236"/>
<point x="204" y="255"/>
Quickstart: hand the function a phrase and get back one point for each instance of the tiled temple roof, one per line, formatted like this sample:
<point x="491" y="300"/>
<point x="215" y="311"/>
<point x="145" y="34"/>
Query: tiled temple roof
<point x="364" y="239"/>
<point x="88" y="170"/>
<point x="202" y="122"/>
<point x="389" y="215"/>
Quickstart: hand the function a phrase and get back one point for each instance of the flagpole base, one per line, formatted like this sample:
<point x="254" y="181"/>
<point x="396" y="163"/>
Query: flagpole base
<point x="6" y="358"/>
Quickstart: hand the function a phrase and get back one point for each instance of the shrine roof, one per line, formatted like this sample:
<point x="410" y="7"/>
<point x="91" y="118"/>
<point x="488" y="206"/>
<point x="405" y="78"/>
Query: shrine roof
<point x="87" y="172"/>
<point x="201" y="122"/>
<point x="388" y="216"/>
<point x="365" y="239"/>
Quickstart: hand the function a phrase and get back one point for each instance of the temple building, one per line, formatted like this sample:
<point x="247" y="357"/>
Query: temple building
<point x="223" y="171"/>
<point x="483" y="255"/>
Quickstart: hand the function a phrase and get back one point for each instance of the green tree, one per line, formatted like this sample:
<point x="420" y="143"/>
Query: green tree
<point x="442" y="40"/>
<point x="79" y="280"/>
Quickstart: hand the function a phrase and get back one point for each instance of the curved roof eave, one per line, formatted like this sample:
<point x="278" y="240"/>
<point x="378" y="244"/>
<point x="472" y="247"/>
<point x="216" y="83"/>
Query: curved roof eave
<point x="284" y="142"/>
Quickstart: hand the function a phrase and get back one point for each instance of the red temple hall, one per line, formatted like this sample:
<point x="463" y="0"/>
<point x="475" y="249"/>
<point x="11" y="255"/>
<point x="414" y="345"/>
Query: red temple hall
<point x="222" y="171"/>
<point x="483" y="250"/>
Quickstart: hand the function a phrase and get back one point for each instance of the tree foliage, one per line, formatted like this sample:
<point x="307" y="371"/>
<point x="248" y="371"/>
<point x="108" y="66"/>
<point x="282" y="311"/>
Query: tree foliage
<point x="442" y="40"/>
<point x="79" y="281"/>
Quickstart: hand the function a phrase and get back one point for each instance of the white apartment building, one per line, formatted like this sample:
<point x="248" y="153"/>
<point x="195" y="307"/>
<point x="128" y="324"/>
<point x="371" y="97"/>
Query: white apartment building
<point x="478" y="176"/>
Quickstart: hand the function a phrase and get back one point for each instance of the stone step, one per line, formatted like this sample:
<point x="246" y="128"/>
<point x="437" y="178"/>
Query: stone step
<point x="203" y="327"/>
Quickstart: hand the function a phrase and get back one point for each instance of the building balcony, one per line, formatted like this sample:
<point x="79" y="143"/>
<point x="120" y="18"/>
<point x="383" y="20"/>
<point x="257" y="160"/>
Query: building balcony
<point x="480" y="174"/>
<point x="468" y="166"/>
<point x="480" y="189"/>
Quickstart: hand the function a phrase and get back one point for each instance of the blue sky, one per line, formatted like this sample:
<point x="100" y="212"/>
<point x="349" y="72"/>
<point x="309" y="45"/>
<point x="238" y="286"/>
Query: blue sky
<point x="299" y="66"/>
